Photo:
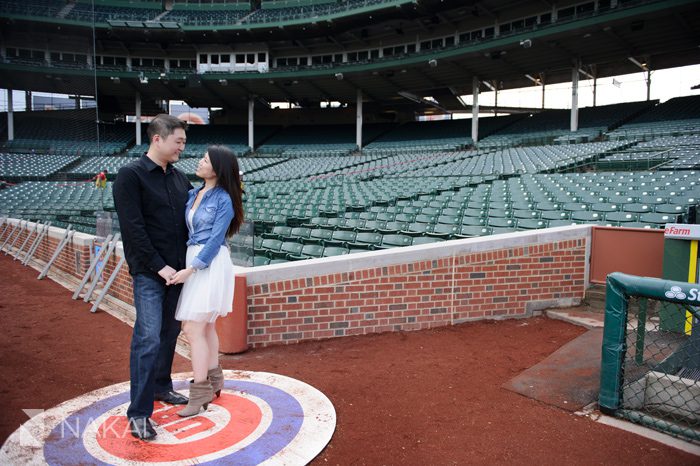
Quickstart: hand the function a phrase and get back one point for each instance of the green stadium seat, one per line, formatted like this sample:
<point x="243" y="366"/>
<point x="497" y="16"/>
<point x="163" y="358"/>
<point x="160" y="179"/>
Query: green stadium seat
<point x="446" y="231"/>
<point x="329" y="251"/>
<point x="532" y="224"/>
<point x="621" y="217"/>
<point x="271" y="244"/>
<point x="366" y="240"/>
<point x="292" y="248"/>
<point x="657" y="218"/>
<point x="474" y="230"/>
<point x="312" y="250"/>
<point x="395" y="240"/>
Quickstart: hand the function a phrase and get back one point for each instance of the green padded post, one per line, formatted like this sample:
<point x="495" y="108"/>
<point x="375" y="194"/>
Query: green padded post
<point x="675" y="267"/>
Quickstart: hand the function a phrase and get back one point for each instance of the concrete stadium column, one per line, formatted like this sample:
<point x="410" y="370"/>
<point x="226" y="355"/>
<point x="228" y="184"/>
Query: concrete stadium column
<point x="574" y="97"/>
<point x="495" y="98"/>
<point x="475" y="109"/>
<point x="595" y="86"/>
<point x="10" y="117"/>
<point x="137" y="111"/>
<point x="251" y="124"/>
<point x="543" y="86"/>
<point x="648" y="80"/>
<point x="358" y="123"/>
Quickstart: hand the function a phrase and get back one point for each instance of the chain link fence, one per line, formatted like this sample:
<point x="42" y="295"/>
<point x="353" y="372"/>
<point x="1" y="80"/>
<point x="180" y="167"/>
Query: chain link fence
<point x="651" y="354"/>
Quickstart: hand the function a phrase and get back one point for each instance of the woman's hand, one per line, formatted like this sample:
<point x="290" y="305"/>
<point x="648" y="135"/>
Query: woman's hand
<point x="180" y="276"/>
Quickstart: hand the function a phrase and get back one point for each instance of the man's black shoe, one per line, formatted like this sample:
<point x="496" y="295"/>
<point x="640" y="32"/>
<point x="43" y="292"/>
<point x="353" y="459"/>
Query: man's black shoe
<point x="172" y="397"/>
<point x="141" y="428"/>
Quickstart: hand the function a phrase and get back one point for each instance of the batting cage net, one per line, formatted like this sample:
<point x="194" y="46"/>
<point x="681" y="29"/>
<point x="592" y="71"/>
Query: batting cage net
<point x="650" y="372"/>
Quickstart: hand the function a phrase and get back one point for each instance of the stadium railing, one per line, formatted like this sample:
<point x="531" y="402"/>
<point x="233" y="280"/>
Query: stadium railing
<point x="650" y="369"/>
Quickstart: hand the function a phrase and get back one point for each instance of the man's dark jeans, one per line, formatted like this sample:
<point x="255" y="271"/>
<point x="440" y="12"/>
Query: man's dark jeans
<point x="152" y="343"/>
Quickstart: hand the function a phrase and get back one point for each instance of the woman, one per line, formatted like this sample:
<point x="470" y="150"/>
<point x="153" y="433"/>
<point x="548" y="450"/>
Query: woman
<point x="213" y="213"/>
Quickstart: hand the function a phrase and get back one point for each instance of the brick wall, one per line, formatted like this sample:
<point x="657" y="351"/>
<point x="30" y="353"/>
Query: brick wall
<point x="400" y="289"/>
<point x="418" y="287"/>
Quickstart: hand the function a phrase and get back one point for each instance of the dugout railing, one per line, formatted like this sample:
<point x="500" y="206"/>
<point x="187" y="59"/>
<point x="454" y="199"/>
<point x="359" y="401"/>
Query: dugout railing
<point x="650" y="369"/>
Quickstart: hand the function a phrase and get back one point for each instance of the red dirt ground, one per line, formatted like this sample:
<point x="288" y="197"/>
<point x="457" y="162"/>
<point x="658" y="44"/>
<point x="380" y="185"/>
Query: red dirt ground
<point x="429" y="397"/>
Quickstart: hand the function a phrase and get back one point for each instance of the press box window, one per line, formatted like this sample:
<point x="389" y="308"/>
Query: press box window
<point x="214" y="59"/>
<point x="226" y="58"/>
<point x="585" y="10"/>
<point x="374" y="54"/>
<point x="203" y="58"/>
<point x="262" y="57"/>
<point x="566" y="13"/>
<point x="240" y="59"/>
<point x="250" y="58"/>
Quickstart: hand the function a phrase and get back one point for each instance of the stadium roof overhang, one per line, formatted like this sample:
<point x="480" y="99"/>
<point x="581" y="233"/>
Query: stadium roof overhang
<point x="659" y="34"/>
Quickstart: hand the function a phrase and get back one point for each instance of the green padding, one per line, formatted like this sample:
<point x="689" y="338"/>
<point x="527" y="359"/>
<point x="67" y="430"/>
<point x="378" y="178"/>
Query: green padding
<point x="619" y="288"/>
<point x="676" y="266"/>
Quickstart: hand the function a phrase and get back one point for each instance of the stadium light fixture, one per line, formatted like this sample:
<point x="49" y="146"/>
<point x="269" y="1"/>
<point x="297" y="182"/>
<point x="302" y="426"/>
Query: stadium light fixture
<point x="586" y="73"/>
<point x="537" y="80"/>
<point x="489" y="85"/>
<point x="642" y="64"/>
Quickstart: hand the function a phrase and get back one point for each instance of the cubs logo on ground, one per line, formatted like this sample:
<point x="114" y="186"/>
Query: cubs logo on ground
<point x="260" y="418"/>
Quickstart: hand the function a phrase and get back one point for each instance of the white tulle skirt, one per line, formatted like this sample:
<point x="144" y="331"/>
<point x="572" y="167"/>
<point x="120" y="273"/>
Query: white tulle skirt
<point x="208" y="293"/>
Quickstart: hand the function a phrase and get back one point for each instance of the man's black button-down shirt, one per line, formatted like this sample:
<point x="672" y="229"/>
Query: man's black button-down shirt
<point x="150" y="204"/>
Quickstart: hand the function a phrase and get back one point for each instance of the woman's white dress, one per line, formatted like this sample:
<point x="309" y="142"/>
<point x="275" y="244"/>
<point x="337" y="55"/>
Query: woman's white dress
<point x="207" y="293"/>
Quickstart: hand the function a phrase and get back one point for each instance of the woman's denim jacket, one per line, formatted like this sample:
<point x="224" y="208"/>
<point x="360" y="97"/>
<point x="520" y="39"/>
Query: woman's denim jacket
<point x="209" y="225"/>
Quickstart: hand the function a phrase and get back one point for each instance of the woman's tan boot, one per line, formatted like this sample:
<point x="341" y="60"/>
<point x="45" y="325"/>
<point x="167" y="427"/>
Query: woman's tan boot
<point x="216" y="377"/>
<point x="201" y="395"/>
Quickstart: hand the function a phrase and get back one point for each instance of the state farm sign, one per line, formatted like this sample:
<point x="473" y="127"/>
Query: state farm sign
<point x="682" y="231"/>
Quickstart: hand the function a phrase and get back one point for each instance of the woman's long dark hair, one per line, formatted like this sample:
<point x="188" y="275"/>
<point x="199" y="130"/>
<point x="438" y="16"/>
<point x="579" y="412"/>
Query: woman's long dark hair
<point x="225" y="165"/>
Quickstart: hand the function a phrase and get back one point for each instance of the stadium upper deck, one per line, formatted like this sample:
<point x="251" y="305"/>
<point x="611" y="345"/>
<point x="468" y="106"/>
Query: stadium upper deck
<point x="395" y="52"/>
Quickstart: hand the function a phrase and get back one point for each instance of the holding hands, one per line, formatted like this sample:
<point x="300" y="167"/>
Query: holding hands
<point x="172" y="277"/>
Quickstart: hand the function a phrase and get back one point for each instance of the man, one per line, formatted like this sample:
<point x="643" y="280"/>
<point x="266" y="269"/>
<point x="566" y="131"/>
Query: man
<point x="150" y="196"/>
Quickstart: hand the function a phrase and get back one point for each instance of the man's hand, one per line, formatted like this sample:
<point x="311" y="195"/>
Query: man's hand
<point x="166" y="273"/>
<point x="181" y="276"/>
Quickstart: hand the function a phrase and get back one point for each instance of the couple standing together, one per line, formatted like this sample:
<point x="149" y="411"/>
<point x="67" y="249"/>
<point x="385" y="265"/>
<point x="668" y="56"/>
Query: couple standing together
<point x="175" y="244"/>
